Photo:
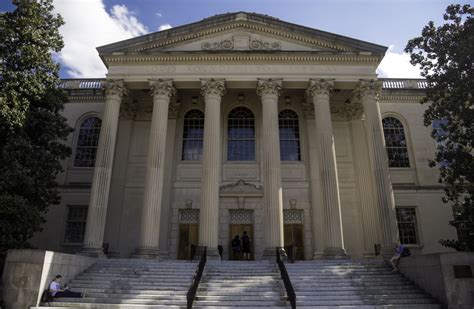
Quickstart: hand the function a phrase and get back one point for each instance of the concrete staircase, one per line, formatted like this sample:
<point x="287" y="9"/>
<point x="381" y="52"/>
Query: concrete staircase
<point x="355" y="284"/>
<point x="131" y="283"/>
<point x="241" y="284"/>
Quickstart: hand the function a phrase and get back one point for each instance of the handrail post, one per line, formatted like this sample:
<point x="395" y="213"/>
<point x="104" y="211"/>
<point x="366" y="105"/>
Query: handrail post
<point x="196" y="279"/>
<point x="286" y="278"/>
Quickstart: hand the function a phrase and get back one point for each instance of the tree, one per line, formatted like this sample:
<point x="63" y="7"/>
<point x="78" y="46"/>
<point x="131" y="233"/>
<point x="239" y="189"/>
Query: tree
<point x="32" y="130"/>
<point x="446" y="57"/>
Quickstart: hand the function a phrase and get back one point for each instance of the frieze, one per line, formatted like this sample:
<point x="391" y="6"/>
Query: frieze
<point x="257" y="44"/>
<point x="226" y="44"/>
<point x="241" y="187"/>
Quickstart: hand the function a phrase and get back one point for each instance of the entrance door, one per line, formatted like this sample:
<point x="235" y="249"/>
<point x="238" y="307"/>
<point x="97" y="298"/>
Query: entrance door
<point x="294" y="236"/>
<point x="188" y="235"/>
<point x="239" y="229"/>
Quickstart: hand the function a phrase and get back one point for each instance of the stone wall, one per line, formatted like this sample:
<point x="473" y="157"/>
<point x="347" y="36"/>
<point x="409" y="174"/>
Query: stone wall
<point x="28" y="272"/>
<point x="435" y="274"/>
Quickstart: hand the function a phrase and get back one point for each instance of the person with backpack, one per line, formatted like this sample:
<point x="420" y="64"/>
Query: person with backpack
<point x="400" y="251"/>
<point x="236" y="247"/>
<point x="246" y="246"/>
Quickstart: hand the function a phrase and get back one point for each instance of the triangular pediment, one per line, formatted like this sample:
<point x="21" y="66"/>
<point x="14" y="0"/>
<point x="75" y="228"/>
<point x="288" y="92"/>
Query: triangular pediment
<point x="241" y="32"/>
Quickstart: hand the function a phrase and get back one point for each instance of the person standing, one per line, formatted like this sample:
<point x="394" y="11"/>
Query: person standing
<point x="236" y="247"/>
<point x="246" y="246"/>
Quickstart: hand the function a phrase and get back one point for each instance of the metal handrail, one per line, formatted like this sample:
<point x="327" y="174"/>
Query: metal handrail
<point x="196" y="279"/>
<point x="285" y="277"/>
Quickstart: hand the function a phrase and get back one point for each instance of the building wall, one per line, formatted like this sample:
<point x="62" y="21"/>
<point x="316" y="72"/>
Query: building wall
<point x="414" y="187"/>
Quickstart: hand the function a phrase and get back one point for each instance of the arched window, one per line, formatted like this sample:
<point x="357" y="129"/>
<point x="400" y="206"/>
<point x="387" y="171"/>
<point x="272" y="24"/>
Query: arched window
<point x="289" y="136"/>
<point x="87" y="142"/>
<point x="193" y="134"/>
<point x="241" y="135"/>
<point x="395" y="142"/>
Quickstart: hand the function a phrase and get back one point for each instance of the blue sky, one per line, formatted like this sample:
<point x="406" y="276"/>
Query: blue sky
<point x="91" y="23"/>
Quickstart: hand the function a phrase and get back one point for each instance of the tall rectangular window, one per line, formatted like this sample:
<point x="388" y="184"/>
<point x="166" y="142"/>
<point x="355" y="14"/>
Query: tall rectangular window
<point x="407" y="225"/>
<point x="76" y="224"/>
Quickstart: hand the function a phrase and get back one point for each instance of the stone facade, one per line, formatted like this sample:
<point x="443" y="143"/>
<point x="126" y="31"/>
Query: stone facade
<point x="340" y="190"/>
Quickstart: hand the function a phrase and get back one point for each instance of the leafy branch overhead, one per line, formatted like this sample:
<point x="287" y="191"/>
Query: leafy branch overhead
<point x="445" y="55"/>
<point x="32" y="130"/>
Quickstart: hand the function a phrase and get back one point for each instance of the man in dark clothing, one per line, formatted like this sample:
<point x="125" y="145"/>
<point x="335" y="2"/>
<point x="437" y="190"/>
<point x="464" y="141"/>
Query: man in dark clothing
<point x="246" y="246"/>
<point x="236" y="247"/>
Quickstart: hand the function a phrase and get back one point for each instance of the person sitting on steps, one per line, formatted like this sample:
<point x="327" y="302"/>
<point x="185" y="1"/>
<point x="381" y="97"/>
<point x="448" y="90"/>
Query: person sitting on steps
<point x="56" y="291"/>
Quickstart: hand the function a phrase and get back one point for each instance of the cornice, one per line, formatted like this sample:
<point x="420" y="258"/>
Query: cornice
<point x="241" y="58"/>
<point x="389" y="98"/>
<point x="86" y="99"/>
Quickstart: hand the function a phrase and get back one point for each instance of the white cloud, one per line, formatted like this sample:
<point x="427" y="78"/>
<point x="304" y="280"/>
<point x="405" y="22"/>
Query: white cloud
<point x="89" y="25"/>
<point x="164" y="27"/>
<point x="159" y="14"/>
<point x="397" y="65"/>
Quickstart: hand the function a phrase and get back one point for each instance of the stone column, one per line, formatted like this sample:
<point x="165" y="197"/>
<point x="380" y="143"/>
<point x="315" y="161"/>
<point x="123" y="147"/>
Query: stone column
<point x="212" y="91"/>
<point x="94" y="235"/>
<point x="368" y="91"/>
<point x="269" y="90"/>
<point x="161" y="90"/>
<point x="320" y="91"/>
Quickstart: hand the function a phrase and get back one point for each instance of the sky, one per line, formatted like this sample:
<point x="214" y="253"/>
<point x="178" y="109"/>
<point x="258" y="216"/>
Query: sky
<point x="92" y="23"/>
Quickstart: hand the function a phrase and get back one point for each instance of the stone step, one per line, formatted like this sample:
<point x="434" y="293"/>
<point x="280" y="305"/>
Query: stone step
<point x="132" y="280"/>
<point x="383" y="296"/>
<point x="389" y="306"/>
<point x="361" y="302"/>
<point x="59" y="305"/>
<point x="135" y="301"/>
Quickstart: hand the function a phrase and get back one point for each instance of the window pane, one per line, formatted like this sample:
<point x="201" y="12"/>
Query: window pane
<point x="87" y="142"/>
<point x="193" y="134"/>
<point x="406" y="219"/>
<point x="395" y="142"/>
<point x="241" y="135"/>
<point x="289" y="136"/>
<point x="76" y="224"/>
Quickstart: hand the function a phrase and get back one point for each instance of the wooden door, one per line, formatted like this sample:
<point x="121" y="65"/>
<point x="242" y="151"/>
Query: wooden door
<point x="293" y="235"/>
<point x="239" y="229"/>
<point x="188" y="235"/>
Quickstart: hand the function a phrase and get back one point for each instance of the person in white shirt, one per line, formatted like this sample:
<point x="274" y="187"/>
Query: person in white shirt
<point x="56" y="291"/>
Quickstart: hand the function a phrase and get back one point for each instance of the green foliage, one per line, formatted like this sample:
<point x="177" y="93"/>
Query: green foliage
<point x="446" y="57"/>
<point x="32" y="130"/>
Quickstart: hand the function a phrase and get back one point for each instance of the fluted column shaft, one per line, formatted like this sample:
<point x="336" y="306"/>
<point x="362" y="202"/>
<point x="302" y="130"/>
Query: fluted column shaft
<point x="319" y="91"/>
<point x="269" y="90"/>
<point x="368" y="209"/>
<point x="368" y="91"/>
<point x="161" y="90"/>
<point x="94" y="234"/>
<point x="212" y="91"/>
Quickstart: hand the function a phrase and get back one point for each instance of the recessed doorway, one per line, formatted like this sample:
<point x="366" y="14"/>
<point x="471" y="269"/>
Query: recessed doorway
<point x="239" y="229"/>
<point x="188" y="233"/>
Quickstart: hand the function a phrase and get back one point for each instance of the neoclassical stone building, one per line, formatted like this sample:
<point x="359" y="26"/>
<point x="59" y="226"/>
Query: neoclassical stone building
<point x="243" y="122"/>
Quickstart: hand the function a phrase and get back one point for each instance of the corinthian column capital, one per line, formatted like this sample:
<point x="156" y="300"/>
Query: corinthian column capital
<point x="212" y="87"/>
<point x="269" y="87"/>
<point x="366" y="87"/>
<point x="162" y="87"/>
<point x="114" y="88"/>
<point x="320" y="87"/>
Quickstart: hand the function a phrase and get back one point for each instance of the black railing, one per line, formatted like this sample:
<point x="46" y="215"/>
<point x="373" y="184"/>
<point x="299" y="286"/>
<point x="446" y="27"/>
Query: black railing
<point x="285" y="277"/>
<point x="197" y="277"/>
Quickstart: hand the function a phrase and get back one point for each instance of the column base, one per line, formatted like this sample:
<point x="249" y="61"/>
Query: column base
<point x="387" y="252"/>
<point x="92" y="252"/>
<point x="146" y="253"/>
<point x="335" y="254"/>
<point x="318" y="255"/>
<point x="213" y="254"/>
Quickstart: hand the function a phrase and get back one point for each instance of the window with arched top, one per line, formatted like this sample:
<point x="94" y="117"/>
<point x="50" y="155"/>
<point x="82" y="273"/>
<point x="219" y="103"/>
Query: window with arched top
<point x="289" y="136"/>
<point x="193" y="135"/>
<point x="87" y="142"/>
<point x="241" y="135"/>
<point x="395" y="142"/>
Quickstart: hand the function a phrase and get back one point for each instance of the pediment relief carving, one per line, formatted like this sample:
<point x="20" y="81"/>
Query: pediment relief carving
<point x="241" y="187"/>
<point x="241" y="42"/>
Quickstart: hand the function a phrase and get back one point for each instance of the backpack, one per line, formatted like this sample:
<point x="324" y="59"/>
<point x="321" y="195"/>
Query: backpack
<point x="405" y="252"/>
<point x="47" y="297"/>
